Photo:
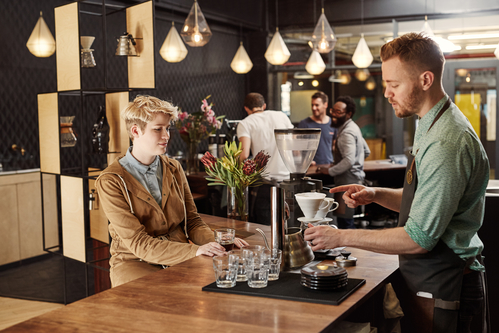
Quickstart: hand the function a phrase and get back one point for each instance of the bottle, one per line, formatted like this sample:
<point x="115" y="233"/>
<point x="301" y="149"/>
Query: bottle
<point x="221" y="145"/>
<point x="100" y="133"/>
<point x="212" y="145"/>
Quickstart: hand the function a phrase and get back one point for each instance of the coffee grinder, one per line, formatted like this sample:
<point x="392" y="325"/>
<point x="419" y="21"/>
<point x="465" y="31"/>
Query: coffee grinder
<point x="297" y="148"/>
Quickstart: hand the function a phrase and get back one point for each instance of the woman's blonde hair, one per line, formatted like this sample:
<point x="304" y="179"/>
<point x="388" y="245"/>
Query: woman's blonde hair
<point x="143" y="109"/>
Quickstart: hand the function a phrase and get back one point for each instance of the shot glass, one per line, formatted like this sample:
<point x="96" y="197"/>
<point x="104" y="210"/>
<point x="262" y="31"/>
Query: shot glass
<point x="225" y="237"/>
<point x="226" y="270"/>
<point x="257" y="270"/>
<point x="241" y="270"/>
<point x="275" y="259"/>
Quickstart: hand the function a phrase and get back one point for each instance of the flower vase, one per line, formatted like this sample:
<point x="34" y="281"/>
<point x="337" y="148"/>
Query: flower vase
<point x="192" y="162"/>
<point x="237" y="203"/>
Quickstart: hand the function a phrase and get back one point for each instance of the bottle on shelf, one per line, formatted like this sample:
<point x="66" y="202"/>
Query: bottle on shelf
<point x="100" y="133"/>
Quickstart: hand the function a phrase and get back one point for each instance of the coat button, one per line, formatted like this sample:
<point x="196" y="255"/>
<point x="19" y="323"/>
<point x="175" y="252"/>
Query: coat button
<point x="148" y="199"/>
<point x="164" y="222"/>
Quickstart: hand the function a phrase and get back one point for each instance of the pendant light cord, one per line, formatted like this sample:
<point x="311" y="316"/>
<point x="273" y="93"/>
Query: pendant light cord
<point x="361" y="17"/>
<point x="276" y="16"/>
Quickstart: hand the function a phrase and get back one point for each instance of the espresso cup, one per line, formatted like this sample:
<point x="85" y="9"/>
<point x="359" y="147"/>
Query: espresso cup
<point x="325" y="207"/>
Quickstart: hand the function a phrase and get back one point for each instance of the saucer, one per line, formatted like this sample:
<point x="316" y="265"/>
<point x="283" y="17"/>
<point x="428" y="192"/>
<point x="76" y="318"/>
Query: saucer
<point x="309" y="219"/>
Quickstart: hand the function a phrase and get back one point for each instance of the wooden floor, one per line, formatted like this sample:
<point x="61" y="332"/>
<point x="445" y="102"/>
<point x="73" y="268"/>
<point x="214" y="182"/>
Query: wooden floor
<point x="13" y="311"/>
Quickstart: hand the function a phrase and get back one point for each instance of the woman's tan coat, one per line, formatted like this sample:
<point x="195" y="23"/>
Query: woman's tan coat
<point x="136" y="219"/>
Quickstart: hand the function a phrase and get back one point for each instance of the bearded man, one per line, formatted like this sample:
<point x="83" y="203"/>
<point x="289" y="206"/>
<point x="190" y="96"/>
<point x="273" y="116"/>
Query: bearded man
<point x="349" y="153"/>
<point x="441" y="207"/>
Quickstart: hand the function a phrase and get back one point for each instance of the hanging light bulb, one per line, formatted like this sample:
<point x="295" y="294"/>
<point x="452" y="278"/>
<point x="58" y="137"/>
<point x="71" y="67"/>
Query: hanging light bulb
<point x="315" y="65"/>
<point x="343" y="77"/>
<point x="370" y="84"/>
<point x="362" y="74"/>
<point x="196" y="31"/>
<point x="41" y="43"/>
<point x="315" y="83"/>
<point x="445" y="45"/>
<point x="323" y="39"/>
<point x="277" y="53"/>
<point x="362" y="56"/>
<point x="241" y="64"/>
<point x="173" y="49"/>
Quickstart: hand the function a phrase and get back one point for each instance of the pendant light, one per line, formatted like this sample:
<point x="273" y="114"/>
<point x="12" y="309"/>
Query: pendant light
<point x="173" y="48"/>
<point x="315" y="65"/>
<point x="41" y="43"/>
<point x="196" y="31"/>
<point x="277" y="53"/>
<point x="445" y="45"/>
<point x="362" y="56"/>
<point x="362" y="74"/>
<point x="241" y="64"/>
<point x="370" y="84"/>
<point x="323" y="38"/>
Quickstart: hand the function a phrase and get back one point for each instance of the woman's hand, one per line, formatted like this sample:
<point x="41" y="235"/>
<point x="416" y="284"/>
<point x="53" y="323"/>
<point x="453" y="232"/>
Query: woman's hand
<point x="240" y="242"/>
<point x="211" y="249"/>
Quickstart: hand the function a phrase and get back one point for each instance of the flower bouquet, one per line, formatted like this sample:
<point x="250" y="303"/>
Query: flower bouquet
<point x="195" y="127"/>
<point x="236" y="175"/>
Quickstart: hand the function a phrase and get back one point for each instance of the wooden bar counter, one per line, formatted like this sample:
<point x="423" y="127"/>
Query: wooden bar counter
<point x="171" y="300"/>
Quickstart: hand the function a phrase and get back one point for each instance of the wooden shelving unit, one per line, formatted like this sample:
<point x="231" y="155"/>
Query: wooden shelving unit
<point x="79" y="225"/>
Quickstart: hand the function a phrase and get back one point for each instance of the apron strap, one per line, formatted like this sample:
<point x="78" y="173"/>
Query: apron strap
<point x="446" y="305"/>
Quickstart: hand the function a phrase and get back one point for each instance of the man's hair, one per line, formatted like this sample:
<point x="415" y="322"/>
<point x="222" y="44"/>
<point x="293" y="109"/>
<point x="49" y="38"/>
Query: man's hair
<point x="143" y="109"/>
<point x="351" y="107"/>
<point x="254" y="100"/>
<point x="320" y="95"/>
<point x="417" y="50"/>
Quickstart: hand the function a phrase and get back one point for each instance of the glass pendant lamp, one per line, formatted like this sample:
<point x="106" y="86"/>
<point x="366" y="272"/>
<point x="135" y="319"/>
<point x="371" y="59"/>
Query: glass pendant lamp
<point x="323" y="38"/>
<point x="370" y="84"/>
<point x="196" y="31"/>
<point x="173" y="48"/>
<point x="362" y="56"/>
<point x="315" y="65"/>
<point x="362" y="74"/>
<point x="41" y="43"/>
<point x="241" y="63"/>
<point x="277" y="53"/>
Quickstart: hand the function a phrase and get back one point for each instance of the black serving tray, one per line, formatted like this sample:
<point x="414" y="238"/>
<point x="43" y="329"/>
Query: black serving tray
<point x="288" y="287"/>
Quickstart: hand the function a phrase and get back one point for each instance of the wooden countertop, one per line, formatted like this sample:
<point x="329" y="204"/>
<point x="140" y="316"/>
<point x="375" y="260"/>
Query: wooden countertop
<point x="369" y="166"/>
<point x="172" y="300"/>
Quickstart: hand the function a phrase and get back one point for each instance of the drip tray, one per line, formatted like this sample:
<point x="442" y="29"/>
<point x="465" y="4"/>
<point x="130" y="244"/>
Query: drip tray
<point x="288" y="287"/>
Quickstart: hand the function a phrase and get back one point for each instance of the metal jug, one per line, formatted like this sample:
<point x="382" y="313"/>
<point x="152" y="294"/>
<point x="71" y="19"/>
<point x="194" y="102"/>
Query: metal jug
<point x="126" y="45"/>
<point x="295" y="250"/>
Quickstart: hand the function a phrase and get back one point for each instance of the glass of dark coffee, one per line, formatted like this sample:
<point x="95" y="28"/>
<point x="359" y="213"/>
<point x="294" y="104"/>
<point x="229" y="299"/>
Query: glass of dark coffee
<point x="225" y="237"/>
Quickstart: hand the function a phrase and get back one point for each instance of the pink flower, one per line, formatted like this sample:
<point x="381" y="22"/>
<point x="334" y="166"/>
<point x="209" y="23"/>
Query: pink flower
<point x="249" y="167"/>
<point x="208" y="160"/>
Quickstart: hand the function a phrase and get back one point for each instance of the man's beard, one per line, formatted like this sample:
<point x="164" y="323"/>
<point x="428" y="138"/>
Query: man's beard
<point x="412" y="106"/>
<point x="337" y="122"/>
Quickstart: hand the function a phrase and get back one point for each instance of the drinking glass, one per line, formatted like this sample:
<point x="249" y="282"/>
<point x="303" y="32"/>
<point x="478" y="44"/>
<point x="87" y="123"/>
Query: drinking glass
<point x="241" y="270"/>
<point x="225" y="237"/>
<point x="257" y="269"/>
<point x="226" y="270"/>
<point x="275" y="259"/>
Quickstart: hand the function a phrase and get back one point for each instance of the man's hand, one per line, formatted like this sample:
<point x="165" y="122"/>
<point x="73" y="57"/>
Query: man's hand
<point x="211" y="249"/>
<point x="355" y="195"/>
<point x="322" y="237"/>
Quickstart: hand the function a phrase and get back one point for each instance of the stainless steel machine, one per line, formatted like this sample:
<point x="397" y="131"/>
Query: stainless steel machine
<point x="297" y="148"/>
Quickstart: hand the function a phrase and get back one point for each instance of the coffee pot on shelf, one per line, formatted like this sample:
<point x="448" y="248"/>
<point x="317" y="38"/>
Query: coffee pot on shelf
<point x="297" y="148"/>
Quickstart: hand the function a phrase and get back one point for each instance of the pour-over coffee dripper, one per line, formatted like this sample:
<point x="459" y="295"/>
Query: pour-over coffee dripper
<point x="87" y="57"/>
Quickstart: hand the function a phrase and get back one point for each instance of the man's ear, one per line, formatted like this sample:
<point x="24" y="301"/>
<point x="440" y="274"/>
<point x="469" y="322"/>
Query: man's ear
<point x="264" y="106"/>
<point x="247" y="109"/>
<point x="426" y="80"/>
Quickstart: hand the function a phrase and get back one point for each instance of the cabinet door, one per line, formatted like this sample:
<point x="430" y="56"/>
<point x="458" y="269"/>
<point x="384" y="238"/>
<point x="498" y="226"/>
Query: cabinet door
<point x="9" y="227"/>
<point x="29" y="201"/>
